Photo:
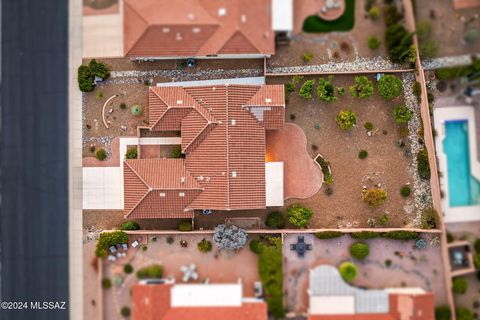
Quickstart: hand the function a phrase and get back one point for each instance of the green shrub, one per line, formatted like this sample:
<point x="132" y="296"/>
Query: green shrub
<point x="401" y="235"/>
<point x="428" y="218"/>
<point x="464" y="314"/>
<point x="128" y="268"/>
<point x="399" y="43"/>
<point x="85" y="79"/>
<point x="101" y="154"/>
<point x="299" y="216"/>
<point x="359" y="250"/>
<point x="450" y="238"/>
<point x="405" y="191"/>
<point x="373" y="43"/>
<point x="471" y="36"/>
<point x="99" y="69"/>
<point x="275" y="220"/>
<point x="346" y="119"/>
<point x="368" y="126"/>
<point x="185" y="226"/>
<point x="459" y="285"/>
<point x="136" y="110"/>
<point x="423" y="167"/>
<point x="390" y="14"/>
<point x="443" y="313"/>
<point x="123" y="105"/>
<point x="307" y="57"/>
<point x="384" y="220"/>
<point x="364" y="235"/>
<point x="374" y="13"/>
<point x="476" y="260"/>
<point x="204" y="246"/>
<point x="125" y="312"/>
<point x="348" y="271"/>
<point x="428" y="49"/>
<point x="417" y="90"/>
<point x="255" y="246"/>
<point x="270" y="270"/>
<point x="476" y="245"/>
<point x="176" y="152"/>
<point x="108" y="239"/>
<point x="306" y="91"/>
<point x="130" y="225"/>
<point x="131" y="153"/>
<point x="296" y="79"/>
<point x="389" y="87"/>
<point x="154" y="271"/>
<point x="402" y="114"/>
<point x="362" y="154"/>
<point x="99" y="95"/>
<point x="170" y="240"/>
<point x="289" y="88"/>
<point x="326" y="90"/>
<point x="324" y="235"/>
<point x="363" y="87"/>
<point x="106" y="283"/>
<point x="375" y="197"/>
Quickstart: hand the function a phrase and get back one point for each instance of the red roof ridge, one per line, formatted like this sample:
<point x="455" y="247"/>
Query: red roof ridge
<point x="247" y="39"/>
<point x="227" y="138"/>
<point x="138" y="203"/>
<point x="138" y="175"/>
<point x="196" y="136"/>
<point x="143" y="31"/>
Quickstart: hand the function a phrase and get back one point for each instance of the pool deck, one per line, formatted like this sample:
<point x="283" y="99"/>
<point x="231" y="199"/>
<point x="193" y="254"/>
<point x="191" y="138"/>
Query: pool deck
<point x="464" y="112"/>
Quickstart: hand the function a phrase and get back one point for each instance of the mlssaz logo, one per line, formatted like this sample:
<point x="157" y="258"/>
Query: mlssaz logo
<point x="48" y="305"/>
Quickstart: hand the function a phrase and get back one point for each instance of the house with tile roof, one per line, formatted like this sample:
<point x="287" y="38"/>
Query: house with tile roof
<point x="171" y="301"/>
<point x="160" y="29"/>
<point x="222" y="131"/>
<point x="330" y="298"/>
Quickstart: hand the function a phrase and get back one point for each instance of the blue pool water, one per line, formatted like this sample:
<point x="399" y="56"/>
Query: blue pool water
<point x="463" y="188"/>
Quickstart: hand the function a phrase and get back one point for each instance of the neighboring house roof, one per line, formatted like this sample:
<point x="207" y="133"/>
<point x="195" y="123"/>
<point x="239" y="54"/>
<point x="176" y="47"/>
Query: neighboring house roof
<point x="154" y="302"/>
<point x="156" y="28"/>
<point x="400" y="303"/>
<point x="223" y="139"/>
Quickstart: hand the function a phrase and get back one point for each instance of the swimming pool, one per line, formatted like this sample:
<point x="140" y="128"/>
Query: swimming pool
<point x="463" y="188"/>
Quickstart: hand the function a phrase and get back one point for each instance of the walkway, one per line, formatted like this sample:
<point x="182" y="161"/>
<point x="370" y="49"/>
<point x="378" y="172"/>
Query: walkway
<point x="302" y="177"/>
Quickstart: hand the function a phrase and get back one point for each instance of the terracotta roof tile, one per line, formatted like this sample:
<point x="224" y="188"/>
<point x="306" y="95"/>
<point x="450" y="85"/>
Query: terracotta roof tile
<point x="223" y="142"/>
<point x="155" y="28"/>
<point x="158" y="188"/>
<point x="153" y="302"/>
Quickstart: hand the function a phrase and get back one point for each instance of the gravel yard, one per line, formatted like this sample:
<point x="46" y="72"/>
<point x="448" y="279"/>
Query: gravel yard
<point x="388" y="163"/>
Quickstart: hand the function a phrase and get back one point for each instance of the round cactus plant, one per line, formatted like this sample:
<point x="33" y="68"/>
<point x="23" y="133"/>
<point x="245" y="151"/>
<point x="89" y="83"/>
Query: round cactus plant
<point x="136" y="110"/>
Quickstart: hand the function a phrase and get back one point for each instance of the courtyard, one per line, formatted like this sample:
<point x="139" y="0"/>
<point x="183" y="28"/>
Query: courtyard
<point x="390" y="264"/>
<point x="216" y="266"/>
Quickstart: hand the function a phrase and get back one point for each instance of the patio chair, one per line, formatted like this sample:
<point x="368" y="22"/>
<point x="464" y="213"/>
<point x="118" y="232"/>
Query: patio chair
<point x="135" y="244"/>
<point x="112" y="249"/>
<point x="301" y="239"/>
<point x="124" y="246"/>
<point x="112" y="258"/>
<point x="309" y="247"/>
<point x="293" y="247"/>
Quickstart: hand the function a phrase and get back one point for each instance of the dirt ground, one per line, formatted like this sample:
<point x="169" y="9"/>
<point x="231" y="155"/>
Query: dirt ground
<point x="409" y="267"/>
<point x="216" y="266"/>
<point x="449" y="26"/>
<point x="112" y="219"/>
<point x="122" y="64"/>
<point x="386" y="162"/>
<point x="333" y="46"/>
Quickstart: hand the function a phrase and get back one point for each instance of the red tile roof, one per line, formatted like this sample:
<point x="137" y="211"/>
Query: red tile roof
<point x="156" y="28"/>
<point x="152" y="302"/>
<point x="223" y="141"/>
<point x="402" y="307"/>
<point x="158" y="188"/>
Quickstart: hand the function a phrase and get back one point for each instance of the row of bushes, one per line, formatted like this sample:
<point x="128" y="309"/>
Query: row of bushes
<point x="366" y="235"/>
<point x="269" y="252"/>
<point x="389" y="87"/>
<point x="470" y="71"/>
<point x="398" y="40"/>
<point x="444" y="313"/>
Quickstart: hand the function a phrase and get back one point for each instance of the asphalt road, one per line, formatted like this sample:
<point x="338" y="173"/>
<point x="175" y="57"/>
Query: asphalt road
<point x="34" y="156"/>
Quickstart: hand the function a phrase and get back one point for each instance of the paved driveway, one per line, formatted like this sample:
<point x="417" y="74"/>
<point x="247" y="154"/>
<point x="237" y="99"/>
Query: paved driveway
<point x="102" y="188"/>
